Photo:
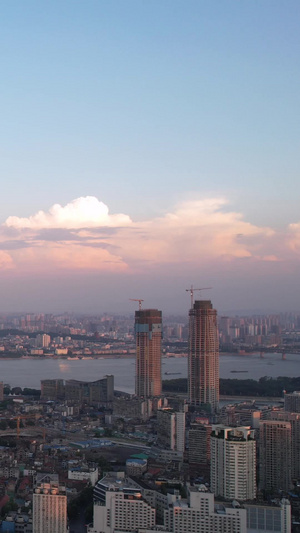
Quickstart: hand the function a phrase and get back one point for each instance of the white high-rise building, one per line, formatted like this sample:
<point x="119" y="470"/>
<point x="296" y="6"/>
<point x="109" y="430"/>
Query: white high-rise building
<point x="43" y="340"/>
<point x="119" y="506"/>
<point x="201" y="514"/>
<point x="233" y="462"/>
<point x="49" y="505"/>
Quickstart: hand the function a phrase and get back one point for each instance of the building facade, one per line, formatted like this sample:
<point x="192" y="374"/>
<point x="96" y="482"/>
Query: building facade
<point x="233" y="462"/>
<point x="275" y="455"/>
<point x="120" y="506"/>
<point x="52" y="389"/>
<point x="148" y="334"/>
<point x="203" y="356"/>
<point x="90" y="392"/>
<point x="269" y="518"/>
<point x="171" y="429"/>
<point x="202" y="514"/>
<point x="199" y="444"/>
<point x="292" y="402"/>
<point x="49" y="505"/>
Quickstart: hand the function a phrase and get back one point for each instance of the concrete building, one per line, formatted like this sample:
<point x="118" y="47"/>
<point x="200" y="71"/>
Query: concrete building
<point x="202" y="514"/>
<point x="49" y="505"/>
<point x="171" y="430"/>
<point x="92" y="393"/>
<point x="148" y="334"/>
<point x="275" y="455"/>
<point x="52" y="389"/>
<point x="203" y="356"/>
<point x="119" y="506"/>
<point x="269" y="518"/>
<point x="84" y="473"/>
<point x="294" y="419"/>
<point x="292" y="402"/>
<point x="233" y="462"/>
<point x="199" y="444"/>
<point x="43" y="340"/>
<point x="136" y="467"/>
<point x="132" y="407"/>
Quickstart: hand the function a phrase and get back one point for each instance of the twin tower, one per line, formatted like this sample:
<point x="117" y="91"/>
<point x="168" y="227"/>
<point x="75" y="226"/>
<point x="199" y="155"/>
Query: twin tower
<point x="203" y="354"/>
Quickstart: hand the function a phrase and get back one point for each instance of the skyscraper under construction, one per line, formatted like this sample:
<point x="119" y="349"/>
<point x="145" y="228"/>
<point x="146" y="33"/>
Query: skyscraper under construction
<point x="148" y="334"/>
<point x="203" y="355"/>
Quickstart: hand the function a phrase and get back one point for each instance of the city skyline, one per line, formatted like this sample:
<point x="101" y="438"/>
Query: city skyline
<point x="146" y="147"/>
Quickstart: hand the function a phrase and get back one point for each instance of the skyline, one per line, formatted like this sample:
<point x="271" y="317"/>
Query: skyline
<point x="148" y="147"/>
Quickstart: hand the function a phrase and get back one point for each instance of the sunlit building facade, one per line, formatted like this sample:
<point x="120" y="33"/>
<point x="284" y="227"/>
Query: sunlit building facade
<point x="148" y="334"/>
<point x="49" y="505"/>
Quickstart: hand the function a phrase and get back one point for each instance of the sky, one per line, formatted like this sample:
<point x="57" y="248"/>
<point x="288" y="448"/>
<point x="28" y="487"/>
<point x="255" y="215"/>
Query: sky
<point x="148" y="146"/>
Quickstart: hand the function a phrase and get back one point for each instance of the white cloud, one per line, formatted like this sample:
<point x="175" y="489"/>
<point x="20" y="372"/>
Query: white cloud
<point x="80" y="213"/>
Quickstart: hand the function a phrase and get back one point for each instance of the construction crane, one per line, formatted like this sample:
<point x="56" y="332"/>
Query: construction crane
<point x="22" y="417"/>
<point x="137" y="300"/>
<point x="192" y="290"/>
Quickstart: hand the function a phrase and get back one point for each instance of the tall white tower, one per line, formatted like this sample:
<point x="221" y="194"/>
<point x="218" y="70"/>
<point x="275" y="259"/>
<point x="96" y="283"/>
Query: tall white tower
<point x="233" y="462"/>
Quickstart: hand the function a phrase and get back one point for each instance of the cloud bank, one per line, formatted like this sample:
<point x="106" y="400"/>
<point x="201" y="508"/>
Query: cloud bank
<point x="84" y="236"/>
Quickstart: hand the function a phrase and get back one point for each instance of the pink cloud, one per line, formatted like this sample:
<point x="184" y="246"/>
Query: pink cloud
<point x="83" y="235"/>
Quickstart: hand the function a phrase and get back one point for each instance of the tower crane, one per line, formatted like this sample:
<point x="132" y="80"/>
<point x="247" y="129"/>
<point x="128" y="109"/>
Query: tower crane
<point x="192" y="290"/>
<point x="137" y="300"/>
<point x="18" y="418"/>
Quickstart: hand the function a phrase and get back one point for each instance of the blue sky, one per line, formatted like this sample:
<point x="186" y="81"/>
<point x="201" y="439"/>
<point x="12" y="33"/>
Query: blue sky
<point x="147" y="106"/>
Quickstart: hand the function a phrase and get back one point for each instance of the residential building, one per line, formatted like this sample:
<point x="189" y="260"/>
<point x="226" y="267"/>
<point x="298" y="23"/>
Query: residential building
<point x="201" y="513"/>
<point x="275" y="455"/>
<point x="49" y="505"/>
<point x="199" y="444"/>
<point x="84" y="473"/>
<point x="148" y="334"/>
<point x="92" y="393"/>
<point x="203" y="356"/>
<point x="269" y="518"/>
<point x="292" y="402"/>
<point x="43" y="340"/>
<point x="171" y="429"/>
<point x="52" y="389"/>
<point x="119" y="506"/>
<point x="136" y="467"/>
<point x="233" y="462"/>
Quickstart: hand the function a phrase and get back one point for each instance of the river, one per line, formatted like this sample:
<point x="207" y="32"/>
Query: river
<point x="29" y="372"/>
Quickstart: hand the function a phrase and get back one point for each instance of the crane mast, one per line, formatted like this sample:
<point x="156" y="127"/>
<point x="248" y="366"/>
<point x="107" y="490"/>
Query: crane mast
<point x="192" y="290"/>
<point x="137" y="300"/>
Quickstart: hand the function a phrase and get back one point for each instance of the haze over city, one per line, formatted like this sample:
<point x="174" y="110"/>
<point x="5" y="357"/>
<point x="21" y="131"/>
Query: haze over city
<point x="147" y="147"/>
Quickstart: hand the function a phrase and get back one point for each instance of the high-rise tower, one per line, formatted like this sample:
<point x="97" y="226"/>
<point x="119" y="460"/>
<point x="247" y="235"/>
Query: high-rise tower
<point x="49" y="505"/>
<point x="203" y="356"/>
<point x="233" y="462"/>
<point x="148" y="334"/>
<point x="275" y="455"/>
